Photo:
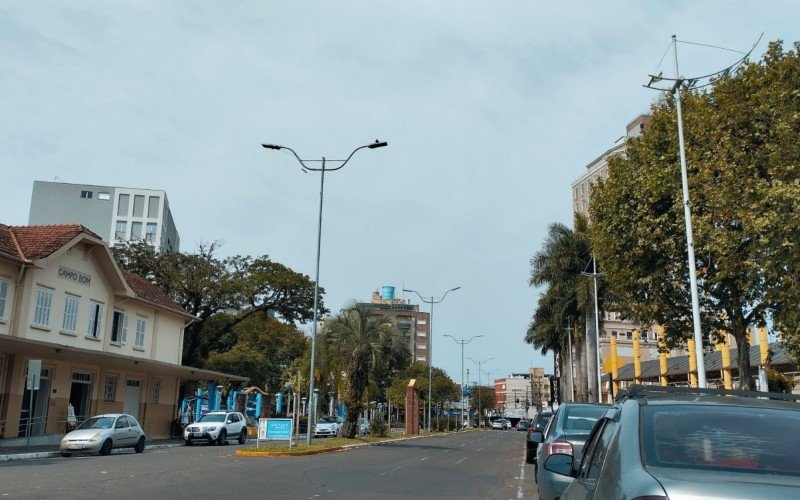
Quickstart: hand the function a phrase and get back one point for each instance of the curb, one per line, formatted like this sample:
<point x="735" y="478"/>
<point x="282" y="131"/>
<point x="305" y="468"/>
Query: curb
<point x="248" y="453"/>
<point x="57" y="454"/>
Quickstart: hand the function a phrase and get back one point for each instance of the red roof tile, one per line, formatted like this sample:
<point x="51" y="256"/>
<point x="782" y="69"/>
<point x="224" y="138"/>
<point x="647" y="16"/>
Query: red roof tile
<point x="37" y="242"/>
<point x="29" y="243"/>
<point x="149" y="292"/>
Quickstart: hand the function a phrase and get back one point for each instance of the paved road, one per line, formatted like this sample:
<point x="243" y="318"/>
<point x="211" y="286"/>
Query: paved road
<point x="487" y="464"/>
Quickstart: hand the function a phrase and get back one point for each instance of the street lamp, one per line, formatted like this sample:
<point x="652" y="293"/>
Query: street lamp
<point x="479" y="363"/>
<point x="322" y="170"/>
<point x="431" y="300"/>
<point x="463" y="342"/>
<point x="487" y="384"/>
<point x="594" y="274"/>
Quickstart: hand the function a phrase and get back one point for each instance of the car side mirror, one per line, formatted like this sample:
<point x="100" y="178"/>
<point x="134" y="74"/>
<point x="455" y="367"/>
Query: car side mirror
<point x="560" y="464"/>
<point x="537" y="437"/>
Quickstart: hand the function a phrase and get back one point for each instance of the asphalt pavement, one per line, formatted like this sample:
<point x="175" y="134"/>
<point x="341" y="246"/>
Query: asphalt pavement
<point x="471" y="465"/>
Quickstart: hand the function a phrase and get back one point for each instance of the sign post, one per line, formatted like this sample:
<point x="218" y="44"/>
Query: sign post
<point x="275" y="429"/>
<point x="32" y="385"/>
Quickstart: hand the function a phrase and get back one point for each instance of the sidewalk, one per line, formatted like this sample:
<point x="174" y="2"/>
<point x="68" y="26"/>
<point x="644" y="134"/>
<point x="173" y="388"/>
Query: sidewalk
<point x="49" y="451"/>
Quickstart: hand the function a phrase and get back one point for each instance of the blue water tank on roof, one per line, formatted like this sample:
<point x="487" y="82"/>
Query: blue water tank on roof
<point x="387" y="292"/>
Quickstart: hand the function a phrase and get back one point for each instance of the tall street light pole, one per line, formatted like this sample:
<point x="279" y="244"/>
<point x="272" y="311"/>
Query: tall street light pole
<point x="430" y="300"/>
<point x="687" y="215"/>
<point x="480" y="410"/>
<point x="463" y="342"/>
<point x="306" y="168"/>
<point x="594" y="274"/>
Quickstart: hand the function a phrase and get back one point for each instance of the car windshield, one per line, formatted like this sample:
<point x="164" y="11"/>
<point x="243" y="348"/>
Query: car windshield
<point x="98" y="423"/>
<point x="730" y="438"/>
<point x="581" y="419"/>
<point x="212" y="417"/>
<point x="327" y="420"/>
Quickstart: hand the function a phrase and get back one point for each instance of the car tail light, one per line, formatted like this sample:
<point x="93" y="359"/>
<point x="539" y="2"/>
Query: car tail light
<point x="557" y="447"/>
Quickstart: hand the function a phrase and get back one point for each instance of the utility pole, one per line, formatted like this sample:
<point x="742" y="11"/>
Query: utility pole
<point x="480" y="363"/>
<point x="463" y="342"/>
<point x="430" y="300"/>
<point x="594" y="274"/>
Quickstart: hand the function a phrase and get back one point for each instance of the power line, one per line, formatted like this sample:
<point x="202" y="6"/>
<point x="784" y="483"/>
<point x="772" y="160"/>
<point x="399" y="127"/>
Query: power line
<point x="710" y="46"/>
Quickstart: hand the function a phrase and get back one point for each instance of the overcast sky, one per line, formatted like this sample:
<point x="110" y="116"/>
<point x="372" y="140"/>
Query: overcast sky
<point x="491" y="110"/>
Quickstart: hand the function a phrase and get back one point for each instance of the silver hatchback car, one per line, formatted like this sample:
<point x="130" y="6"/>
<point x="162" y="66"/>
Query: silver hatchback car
<point x="669" y="442"/>
<point x="102" y="433"/>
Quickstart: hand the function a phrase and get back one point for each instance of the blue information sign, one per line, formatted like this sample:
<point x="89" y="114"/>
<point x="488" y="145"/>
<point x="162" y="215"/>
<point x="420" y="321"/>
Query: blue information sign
<point x="275" y="428"/>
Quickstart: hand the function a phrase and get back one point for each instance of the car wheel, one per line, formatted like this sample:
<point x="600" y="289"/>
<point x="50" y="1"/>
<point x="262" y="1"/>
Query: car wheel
<point x="139" y="445"/>
<point x="66" y="455"/>
<point x="189" y="442"/>
<point x="223" y="437"/>
<point x="529" y="457"/>
<point x="106" y="448"/>
<point x="536" y="474"/>
<point x="242" y="436"/>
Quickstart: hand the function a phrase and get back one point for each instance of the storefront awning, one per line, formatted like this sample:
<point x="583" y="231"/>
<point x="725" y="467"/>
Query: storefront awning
<point x="52" y="351"/>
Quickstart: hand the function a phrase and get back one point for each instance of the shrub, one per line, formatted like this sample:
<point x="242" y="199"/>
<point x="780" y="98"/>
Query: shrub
<point x="378" y="427"/>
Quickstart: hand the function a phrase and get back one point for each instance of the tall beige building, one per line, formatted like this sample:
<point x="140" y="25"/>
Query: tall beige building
<point x="415" y="324"/>
<point x="613" y="324"/>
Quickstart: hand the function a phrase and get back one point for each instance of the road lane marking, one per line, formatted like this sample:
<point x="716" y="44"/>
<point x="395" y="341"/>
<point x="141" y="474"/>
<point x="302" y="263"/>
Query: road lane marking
<point x="520" y="492"/>
<point x="479" y="449"/>
<point x="461" y="460"/>
<point x="424" y="458"/>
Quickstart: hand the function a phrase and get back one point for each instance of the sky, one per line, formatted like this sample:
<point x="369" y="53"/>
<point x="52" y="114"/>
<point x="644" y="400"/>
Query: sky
<point x="490" y="110"/>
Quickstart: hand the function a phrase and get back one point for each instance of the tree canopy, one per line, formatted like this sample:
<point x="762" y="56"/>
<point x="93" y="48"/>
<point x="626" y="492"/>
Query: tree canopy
<point x="741" y="138"/>
<point x="363" y="344"/>
<point x="206" y="285"/>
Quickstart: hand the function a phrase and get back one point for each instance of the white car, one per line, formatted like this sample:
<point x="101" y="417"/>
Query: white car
<point x="328" y="426"/>
<point x="217" y="427"/>
<point x="102" y="433"/>
<point x="500" y="423"/>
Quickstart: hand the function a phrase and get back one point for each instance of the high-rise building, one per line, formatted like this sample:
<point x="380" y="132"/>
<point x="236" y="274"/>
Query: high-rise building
<point x="613" y="324"/>
<point x="117" y="214"/>
<point x="414" y="323"/>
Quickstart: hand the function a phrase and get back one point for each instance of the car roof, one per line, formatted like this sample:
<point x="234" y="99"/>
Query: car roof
<point x="115" y="415"/>
<point x="723" y="401"/>
<point x="220" y="412"/>
<point x="658" y="395"/>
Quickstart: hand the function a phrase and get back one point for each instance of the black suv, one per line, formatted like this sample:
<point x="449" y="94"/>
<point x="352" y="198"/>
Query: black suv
<point x="538" y="425"/>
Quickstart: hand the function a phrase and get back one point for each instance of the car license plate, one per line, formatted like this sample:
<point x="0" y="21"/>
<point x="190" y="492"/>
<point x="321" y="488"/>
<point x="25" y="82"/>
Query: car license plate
<point x="75" y="447"/>
<point x="197" y="434"/>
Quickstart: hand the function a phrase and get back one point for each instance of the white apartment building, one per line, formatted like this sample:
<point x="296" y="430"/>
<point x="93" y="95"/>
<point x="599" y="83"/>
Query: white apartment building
<point x="117" y="214"/>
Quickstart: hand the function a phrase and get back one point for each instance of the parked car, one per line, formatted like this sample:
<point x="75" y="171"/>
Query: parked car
<point x="689" y="443"/>
<point x="524" y="425"/>
<point x="538" y="425"/>
<point x="499" y="423"/>
<point x="329" y="426"/>
<point x="103" y="433"/>
<point x="565" y="434"/>
<point x="217" y="427"/>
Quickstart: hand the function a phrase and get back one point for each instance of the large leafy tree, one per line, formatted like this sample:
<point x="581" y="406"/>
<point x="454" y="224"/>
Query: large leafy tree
<point x="263" y="349"/>
<point x="206" y="285"/>
<point x="363" y="344"/>
<point x="567" y="300"/>
<point x="744" y="172"/>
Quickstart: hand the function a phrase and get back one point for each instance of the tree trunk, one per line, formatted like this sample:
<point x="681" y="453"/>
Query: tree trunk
<point x="591" y="355"/>
<point x="579" y="362"/>
<point x="746" y="381"/>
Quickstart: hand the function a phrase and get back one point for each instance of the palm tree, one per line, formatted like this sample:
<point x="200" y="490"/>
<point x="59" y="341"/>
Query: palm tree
<point x="364" y="343"/>
<point x="568" y="297"/>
